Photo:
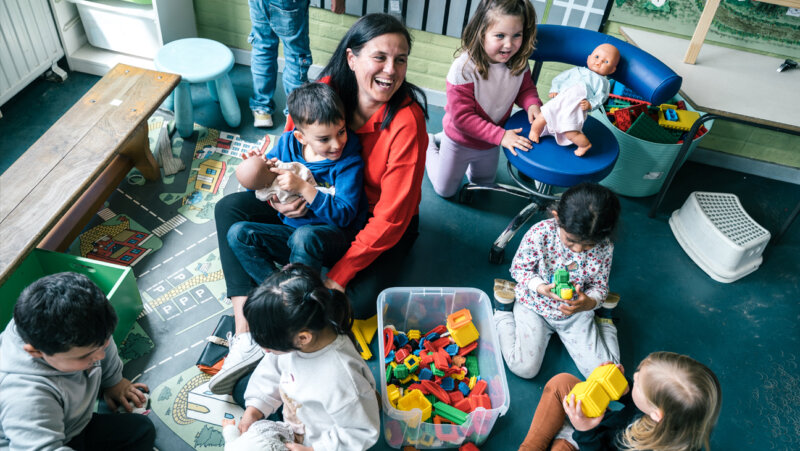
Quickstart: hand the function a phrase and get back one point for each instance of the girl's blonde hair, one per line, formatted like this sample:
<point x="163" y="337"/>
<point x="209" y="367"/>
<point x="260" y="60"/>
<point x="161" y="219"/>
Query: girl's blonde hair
<point x="689" y="397"/>
<point x="485" y="16"/>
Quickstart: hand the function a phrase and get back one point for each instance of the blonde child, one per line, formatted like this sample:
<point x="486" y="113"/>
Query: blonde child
<point x="577" y="238"/>
<point x="489" y="76"/>
<point x="311" y="365"/>
<point x="673" y="405"/>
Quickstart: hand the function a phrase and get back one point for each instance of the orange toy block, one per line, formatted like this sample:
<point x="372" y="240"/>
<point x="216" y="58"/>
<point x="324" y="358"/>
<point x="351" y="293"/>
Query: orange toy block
<point x="461" y="328"/>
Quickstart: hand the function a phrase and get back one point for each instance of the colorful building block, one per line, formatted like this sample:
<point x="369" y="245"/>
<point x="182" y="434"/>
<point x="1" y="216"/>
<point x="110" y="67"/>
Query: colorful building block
<point x="671" y="117"/>
<point x="563" y="287"/>
<point x="450" y="413"/>
<point x="415" y="399"/>
<point x="605" y="384"/>
<point x="461" y="328"/>
<point x="393" y="393"/>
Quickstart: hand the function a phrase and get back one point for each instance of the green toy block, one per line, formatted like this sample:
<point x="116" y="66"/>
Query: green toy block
<point x="432" y="399"/>
<point x="563" y="287"/>
<point x="472" y="366"/>
<point x="645" y="128"/>
<point x="401" y="372"/>
<point x="449" y="413"/>
<point x="436" y="371"/>
<point x="388" y="373"/>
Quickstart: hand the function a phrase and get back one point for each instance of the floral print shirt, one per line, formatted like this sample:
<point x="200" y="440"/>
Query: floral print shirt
<point x="541" y="253"/>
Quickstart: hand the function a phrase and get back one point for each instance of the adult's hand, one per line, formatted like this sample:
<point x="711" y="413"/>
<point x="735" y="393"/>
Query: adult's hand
<point x="337" y="6"/>
<point x="333" y="285"/>
<point x="295" y="209"/>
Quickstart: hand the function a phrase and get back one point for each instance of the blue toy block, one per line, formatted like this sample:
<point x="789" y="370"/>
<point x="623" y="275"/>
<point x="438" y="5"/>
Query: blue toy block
<point x="389" y="358"/>
<point x="671" y="115"/>
<point x="448" y="384"/>
<point x="463" y="388"/>
<point x="451" y="349"/>
<point x="623" y="91"/>
<point x="425" y="374"/>
<point x="400" y="340"/>
<point x="432" y="336"/>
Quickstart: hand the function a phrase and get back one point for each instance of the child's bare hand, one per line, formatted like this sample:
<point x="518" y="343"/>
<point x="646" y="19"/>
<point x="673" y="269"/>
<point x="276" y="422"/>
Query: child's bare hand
<point x="512" y="140"/>
<point x="125" y="393"/>
<point x="545" y="290"/>
<point x="552" y="94"/>
<point x="252" y="153"/>
<point x="585" y="105"/>
<point x="289" y="181"/>
<point x="579" y="303"/>
<point x="579" y="421"/>
<point x="251" y="415"/>
<point x="533" y="111"/>
<point x="298" y="447"/>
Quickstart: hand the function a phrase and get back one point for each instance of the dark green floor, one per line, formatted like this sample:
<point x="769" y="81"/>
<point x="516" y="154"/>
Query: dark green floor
<point x="747" y="331"/>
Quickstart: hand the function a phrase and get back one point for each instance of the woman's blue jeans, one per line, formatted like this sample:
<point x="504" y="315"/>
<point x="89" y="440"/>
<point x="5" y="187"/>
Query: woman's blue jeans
<point x="277" y="21"/>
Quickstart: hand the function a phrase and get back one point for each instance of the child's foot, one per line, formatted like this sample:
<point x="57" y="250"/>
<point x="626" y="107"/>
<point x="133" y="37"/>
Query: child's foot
<point x="536" y="128"/>
<point x="581" y="151"/>
<point x="243" y="355"/>
<point x="262" y="119"/>
<point x="504" y="296"/>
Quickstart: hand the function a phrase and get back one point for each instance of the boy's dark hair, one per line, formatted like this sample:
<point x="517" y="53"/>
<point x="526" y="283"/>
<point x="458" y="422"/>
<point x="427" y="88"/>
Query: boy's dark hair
<point x="589" y="211"/>
<point x="344" y="80"/>
<point x="62" y="311"/>
<point x="314" y="103"/>
<point x="292" y="300"/>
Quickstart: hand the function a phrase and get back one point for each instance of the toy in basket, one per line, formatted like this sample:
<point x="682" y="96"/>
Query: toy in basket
<point x="442" y="382"/>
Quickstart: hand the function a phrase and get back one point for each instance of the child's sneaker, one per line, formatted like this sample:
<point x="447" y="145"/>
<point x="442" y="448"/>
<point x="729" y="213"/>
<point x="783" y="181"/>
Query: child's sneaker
<point x="243" y="355"/>
<point x="611" y="301"/>
<point x="504" y="296"/>
<point x="262" y="119"/>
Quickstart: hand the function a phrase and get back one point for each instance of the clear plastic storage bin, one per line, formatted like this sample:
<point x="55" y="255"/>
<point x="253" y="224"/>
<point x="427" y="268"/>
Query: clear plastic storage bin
<point x="424" y="309"/>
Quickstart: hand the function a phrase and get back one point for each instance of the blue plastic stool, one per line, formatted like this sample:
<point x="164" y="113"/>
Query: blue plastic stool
<point x="199" y="60"/>
<point x="547" y="165"/>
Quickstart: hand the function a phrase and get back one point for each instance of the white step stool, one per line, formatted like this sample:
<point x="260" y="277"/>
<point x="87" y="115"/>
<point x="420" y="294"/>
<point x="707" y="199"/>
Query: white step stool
<point x="719" y="236"/>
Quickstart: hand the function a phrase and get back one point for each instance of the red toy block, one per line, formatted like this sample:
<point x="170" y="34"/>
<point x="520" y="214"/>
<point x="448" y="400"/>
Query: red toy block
<point x="622" y="119"/>
<point x="468" y="447"/>
<point x="440" y="329"/>
<point x="419" y="387"/>
<point x="388" y="341"/>
<point x="455" y="396"/>
<point x="439" y="427"/>
<point x="480" y="401"/>
<point x="680" y="104"/>
<point x="465" y="405"/>
<point x="436" y="391"/>
<point x="479" y="388"/>
<point x="426" y="359"/>
<point x="468" y="348"/>
<point x="429" y="346"/>
<point x="441" y="342"/>
<point x="628" y="99"/>
<point x="401" y="355"/>
<point x="441" y="359"/>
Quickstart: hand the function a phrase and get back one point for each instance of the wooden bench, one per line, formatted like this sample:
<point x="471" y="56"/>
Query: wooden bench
<point x="51" y="192"/>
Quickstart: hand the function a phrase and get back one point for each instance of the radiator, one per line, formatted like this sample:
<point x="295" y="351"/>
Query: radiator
<point x="29" y="44"/>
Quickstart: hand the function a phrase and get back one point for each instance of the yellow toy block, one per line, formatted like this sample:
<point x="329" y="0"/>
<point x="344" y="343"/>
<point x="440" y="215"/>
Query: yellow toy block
<point x="364" y="330"/>
<point x="411" y="362"/>
<point x="685" y="118"/>
<point x="413" y="334"/>
<point x="393" y="393"/>
<point x="414" y="399"/>
<point x="407" y="379"/>
<point x="461" y="329"/>
<point x="566" y="293"/>
<point x="472" y="381"/>
<point x="605" y="384"/>
<point x="427" y="438"/>
<point x="611" y="379"/>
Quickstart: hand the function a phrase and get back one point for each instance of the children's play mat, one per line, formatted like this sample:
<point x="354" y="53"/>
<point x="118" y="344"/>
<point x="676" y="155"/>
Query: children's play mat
<point x="165" y="231"/>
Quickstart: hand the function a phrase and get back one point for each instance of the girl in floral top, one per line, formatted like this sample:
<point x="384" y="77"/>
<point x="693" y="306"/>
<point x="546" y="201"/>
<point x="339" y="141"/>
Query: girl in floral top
<point x="577" y="238"/>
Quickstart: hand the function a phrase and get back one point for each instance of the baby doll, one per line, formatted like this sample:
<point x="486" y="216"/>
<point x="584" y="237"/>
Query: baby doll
<point x="254" y="173"/>
<point x="575" y="92"/>
<point x="263" y="435"/>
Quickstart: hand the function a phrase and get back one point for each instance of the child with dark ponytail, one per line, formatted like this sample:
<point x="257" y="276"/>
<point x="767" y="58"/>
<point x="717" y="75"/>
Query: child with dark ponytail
<point x="311" y="366"/>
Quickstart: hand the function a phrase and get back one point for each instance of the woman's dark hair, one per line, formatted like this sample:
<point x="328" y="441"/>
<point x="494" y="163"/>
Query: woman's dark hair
<point x="344" y="81"/>
<point x="64" y="311"/>
<point x="589" y="211"/>
<point x="292" y="300"/>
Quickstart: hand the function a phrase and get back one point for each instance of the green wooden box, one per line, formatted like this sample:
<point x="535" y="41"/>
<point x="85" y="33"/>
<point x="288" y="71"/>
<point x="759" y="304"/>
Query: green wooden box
<point x="117" y="282"/>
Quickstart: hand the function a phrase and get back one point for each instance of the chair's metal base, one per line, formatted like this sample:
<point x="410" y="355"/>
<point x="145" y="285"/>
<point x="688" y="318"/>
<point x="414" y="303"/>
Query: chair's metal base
<point x="538" y="196"/>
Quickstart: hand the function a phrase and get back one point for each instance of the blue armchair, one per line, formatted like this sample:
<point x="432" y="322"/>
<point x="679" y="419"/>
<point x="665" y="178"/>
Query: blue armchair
<point x="549" y="165"/>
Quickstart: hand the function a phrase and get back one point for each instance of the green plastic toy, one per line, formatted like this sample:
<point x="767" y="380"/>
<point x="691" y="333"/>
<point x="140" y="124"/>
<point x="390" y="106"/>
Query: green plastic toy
<point x="564" y="288"/>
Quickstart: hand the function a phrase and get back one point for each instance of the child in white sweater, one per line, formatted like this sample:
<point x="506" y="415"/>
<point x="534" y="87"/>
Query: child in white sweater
<point x="311" y="365"/>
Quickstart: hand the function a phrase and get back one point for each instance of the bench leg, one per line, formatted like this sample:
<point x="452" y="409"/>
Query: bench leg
<point x="227" y="101"/>
<point x="137" y="149"/>
<point x="212" y="90"/>
<point x="184" y="116"/>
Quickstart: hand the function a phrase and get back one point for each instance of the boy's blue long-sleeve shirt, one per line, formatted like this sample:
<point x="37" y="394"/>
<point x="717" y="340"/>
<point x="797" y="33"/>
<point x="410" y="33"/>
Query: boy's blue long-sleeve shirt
<point x="345" y="205"/>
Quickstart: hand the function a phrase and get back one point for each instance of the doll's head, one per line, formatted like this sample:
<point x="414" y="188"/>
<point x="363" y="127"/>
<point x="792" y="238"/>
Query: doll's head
<point x="603" y="60"/>
<point x="253" y="173"/>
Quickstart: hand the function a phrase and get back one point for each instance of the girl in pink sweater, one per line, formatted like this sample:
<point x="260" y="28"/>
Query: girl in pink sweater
<point x="486" y="79"/>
